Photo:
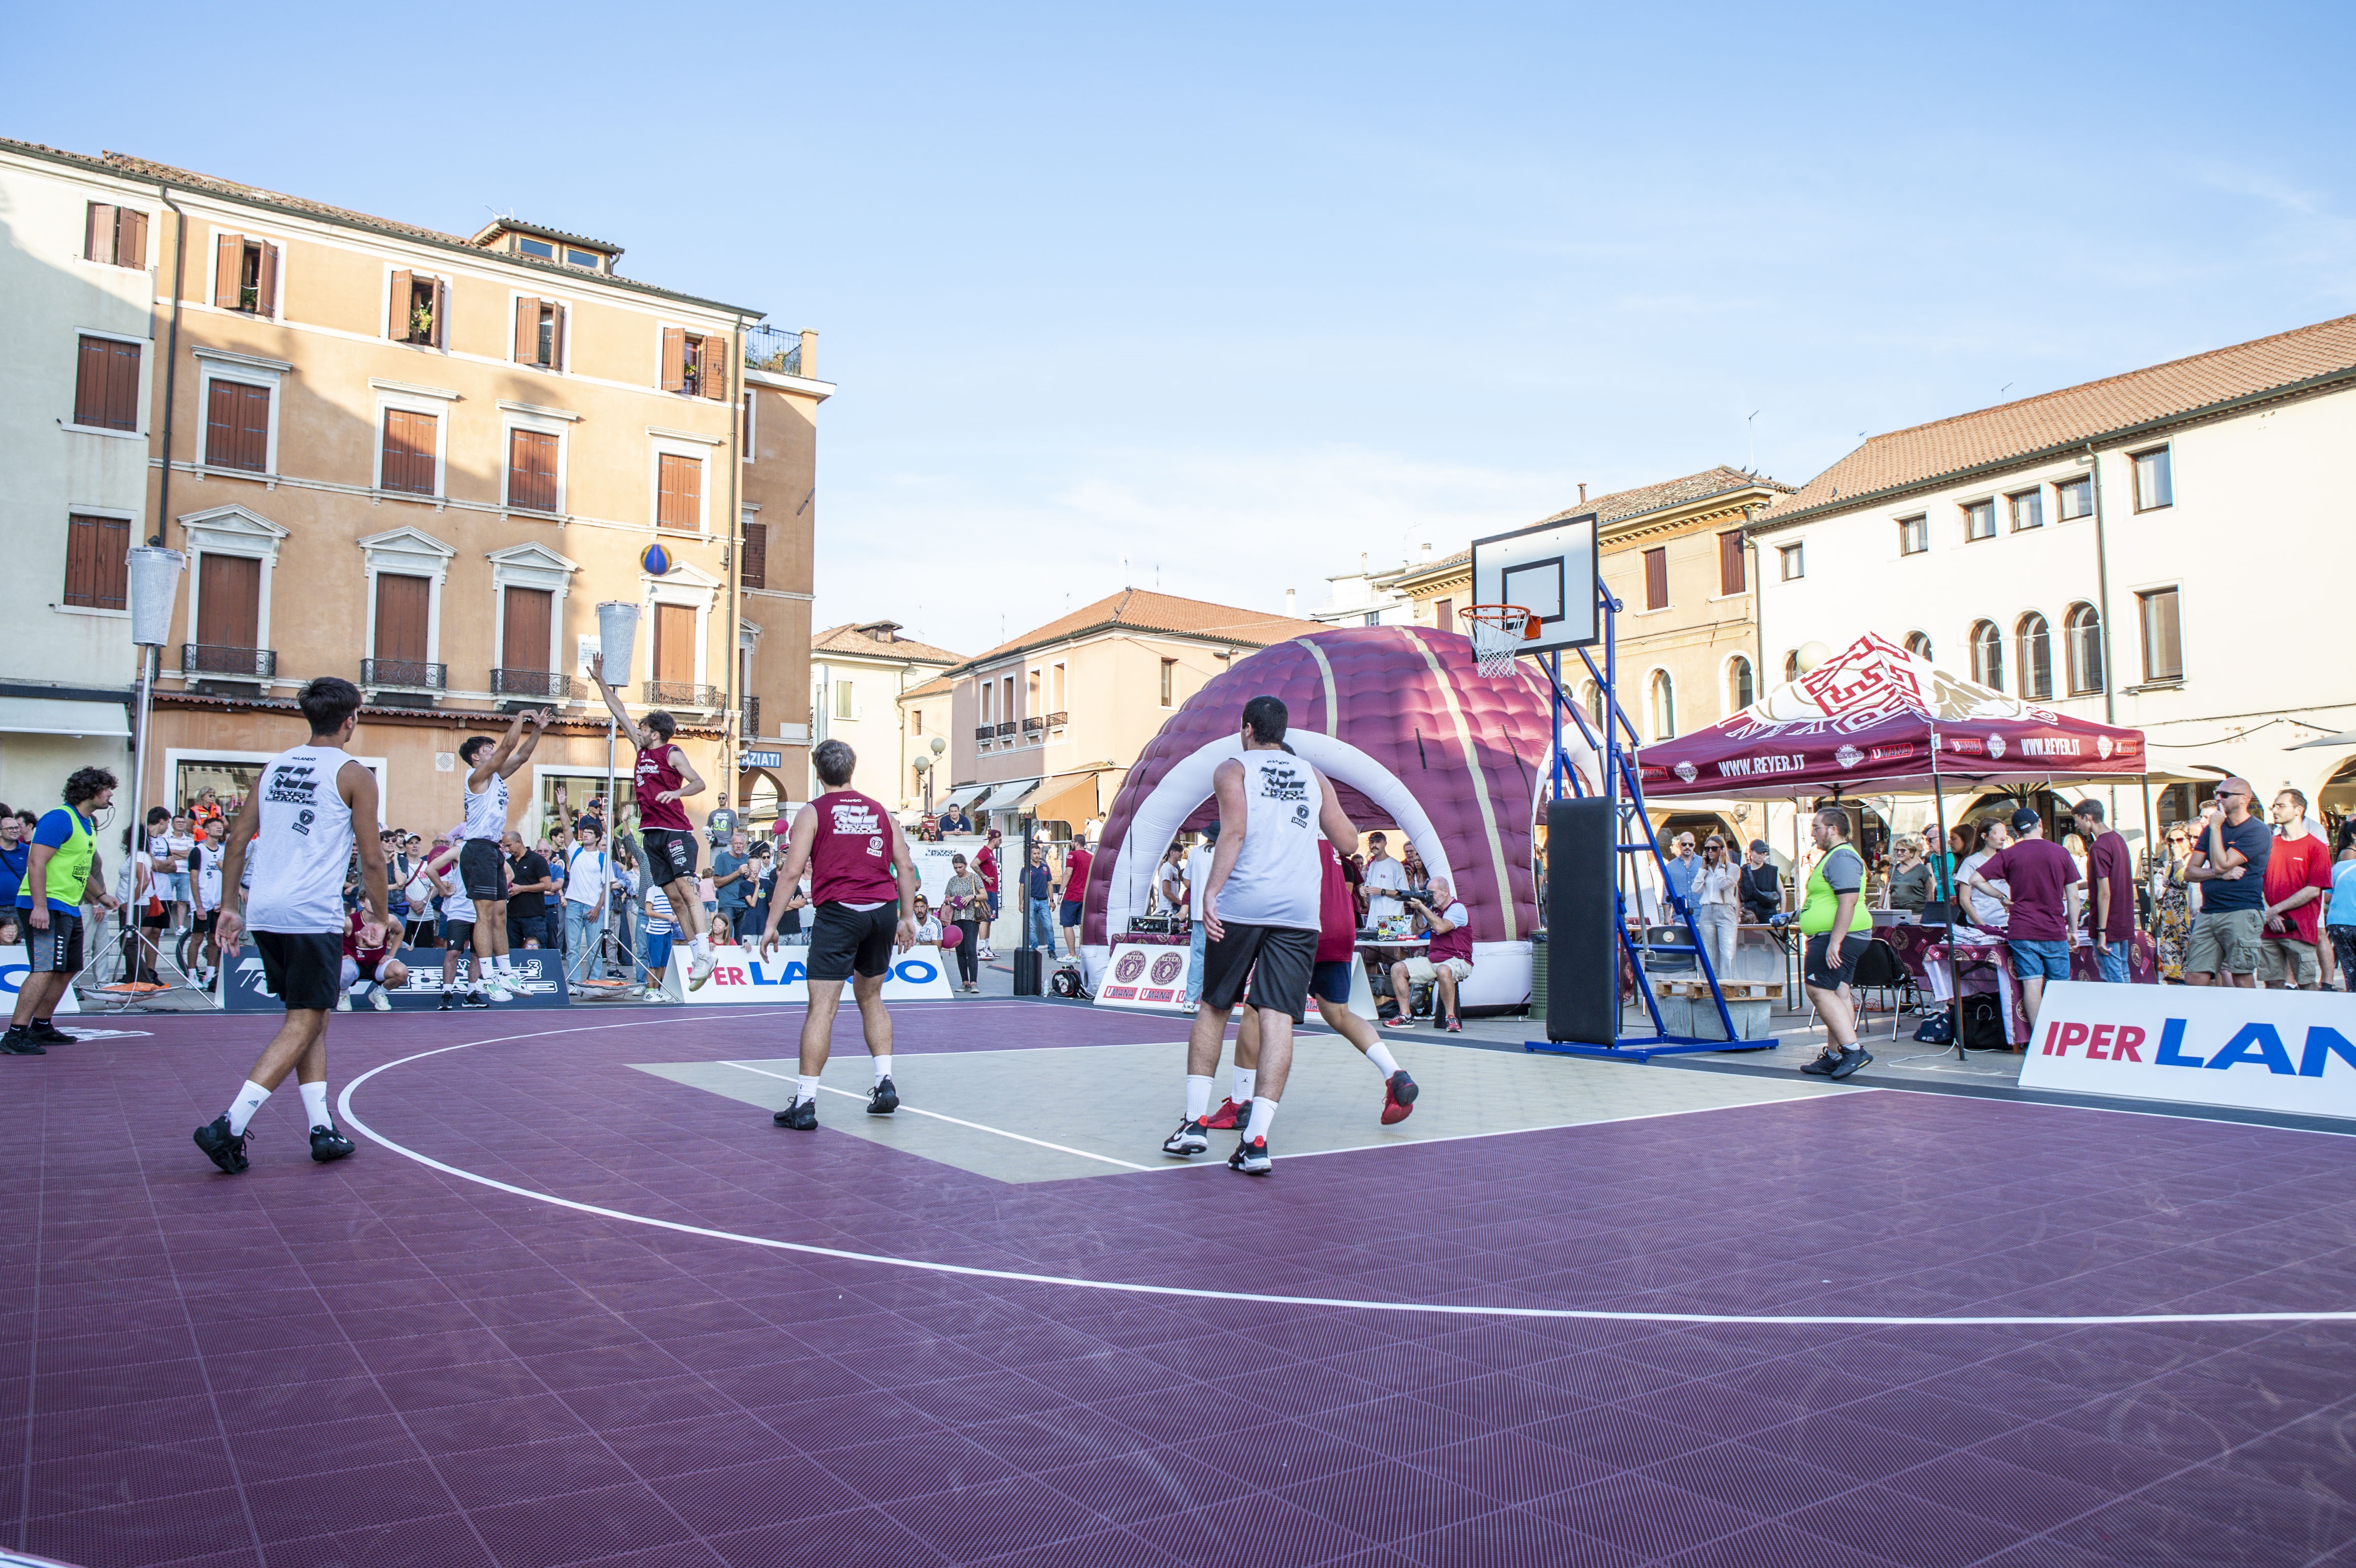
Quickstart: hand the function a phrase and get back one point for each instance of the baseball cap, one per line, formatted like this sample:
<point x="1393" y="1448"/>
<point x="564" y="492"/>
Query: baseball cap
<point x="2024" y="819"/>
<point x="1760" y="845"/>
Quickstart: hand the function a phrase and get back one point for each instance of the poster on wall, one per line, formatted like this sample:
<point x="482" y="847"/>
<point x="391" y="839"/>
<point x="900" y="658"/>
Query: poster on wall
<point x="14" y="967"/>
<point x="2206" y="1045"/>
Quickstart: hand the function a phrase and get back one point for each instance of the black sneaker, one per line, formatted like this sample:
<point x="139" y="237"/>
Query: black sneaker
<point x="223" y="1147"/>
<point x="885" y="1100"/>
<point x="20" y="1041"/>
<point x="327" y="1143"/>
<point x="1252" y="1157"/>
<point x="474" y="1000"/>
<point x="448" y="1003"/>
<point x="1187" y="1142"/>
<point x="1850" y="1060"/>
<point x="1826" y="1060"/>
<point x="801" y="1115"/>
<point x="49" y="1033"/>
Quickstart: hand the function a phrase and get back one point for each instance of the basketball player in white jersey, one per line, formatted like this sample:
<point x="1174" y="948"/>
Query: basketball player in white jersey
<point x="482" y="869"/>
<point x="306" y="800"/>
<point x="1260" y="914"/>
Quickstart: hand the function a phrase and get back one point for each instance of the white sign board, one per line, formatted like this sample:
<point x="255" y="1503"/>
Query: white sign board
<point x="933" y="868"/>
<point x="2205" y="1045"/>
<point x="742" y="975"/>
<point x="14" y="967"/>
<point x="1143" y="976"/>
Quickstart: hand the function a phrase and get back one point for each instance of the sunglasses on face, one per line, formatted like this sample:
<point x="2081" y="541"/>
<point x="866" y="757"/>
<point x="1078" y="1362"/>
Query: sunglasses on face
<point x="2231" y="795"/>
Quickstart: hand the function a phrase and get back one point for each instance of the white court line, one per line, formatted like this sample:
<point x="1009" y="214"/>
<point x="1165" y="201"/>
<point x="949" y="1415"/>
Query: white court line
<point x="344" y="1109"/>
<point x="953" y="1121"/>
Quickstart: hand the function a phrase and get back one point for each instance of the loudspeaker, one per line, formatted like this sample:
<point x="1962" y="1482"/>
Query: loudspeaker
<point x="1583" y="957"/>
<point x="1026" y="971"/>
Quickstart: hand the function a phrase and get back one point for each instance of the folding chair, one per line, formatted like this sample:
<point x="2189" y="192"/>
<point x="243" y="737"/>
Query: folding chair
<point x="1879" y="968"/>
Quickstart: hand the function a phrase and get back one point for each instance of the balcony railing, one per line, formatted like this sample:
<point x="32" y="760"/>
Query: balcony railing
<point x="749" y="715"/>
<point x="1056" y="721"/>
<point x="244" y="663"/>
<point x="413" y="673"/>
<point x="984" y="731"/>
<point x="681" y="694"/>
<point x="1032" y="726"/>
<point x="767" y="348"/>
<point x="1007" y="728"/>
<point x="545" y="683"/>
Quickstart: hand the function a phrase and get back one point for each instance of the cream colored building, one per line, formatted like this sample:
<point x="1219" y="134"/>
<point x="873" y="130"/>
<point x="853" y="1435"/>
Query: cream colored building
<point x="858" y="675"/>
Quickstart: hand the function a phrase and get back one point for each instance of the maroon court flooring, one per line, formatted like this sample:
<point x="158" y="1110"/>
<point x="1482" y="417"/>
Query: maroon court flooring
<point x="391" y="1361"/>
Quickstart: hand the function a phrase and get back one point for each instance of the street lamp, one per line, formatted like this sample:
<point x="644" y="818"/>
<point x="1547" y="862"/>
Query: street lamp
<point x="923" y="767"/>
<point x="618" y="643"/>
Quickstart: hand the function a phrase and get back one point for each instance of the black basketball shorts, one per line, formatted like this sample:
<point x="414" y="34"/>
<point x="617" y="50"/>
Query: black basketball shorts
<point x="669" y="852"/>
<point x="846" y="942"/>
<point x="481" y="870"/>
<point x="304" y="969"/>
<point x="1276" y="959"/>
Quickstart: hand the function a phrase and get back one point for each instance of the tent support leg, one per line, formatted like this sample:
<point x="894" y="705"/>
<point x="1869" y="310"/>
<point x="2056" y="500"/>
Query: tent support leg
<point x="1947" y="892"/>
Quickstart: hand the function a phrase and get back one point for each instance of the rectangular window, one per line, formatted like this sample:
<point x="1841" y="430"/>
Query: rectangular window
<point x="1169" y="679"/>
<point x="751" y="438"/>
<point x="540" y="333"/>
<point x="524" y="631"/>
<point x="915" y="721"/>
<point x="2028" y="511"/>
<point x="228" y="601"/>
<point x="678" y="498"/>
<point x="1733" y="571"/>
<point x="2155" y="485"/>
<point x="845" y="706"/>
<point x="408" y="452"/>
<point x="1656" y="578"/>
<point x="753" y="570"/>
<point x="540" y="248"/>
<point x="1795" y="559"/>
<point x="1913" y="534"/>
<point x="2074" y="498"/>
<point x="1979" y="520"/>
<point x="1443" y="614"/>
<point x="413" y="313"/>
<point x="675" y="644"/>
<point x="1056" y="706"/>
<point x="115" y="235"/>
<point x="237" y="427"/>
<point x="695" y="363"/>
<point x="1031" y="695"/>
<point x="531" y="470"/>
<point x="2163" y="638"/>
<point x="403" y="606"/>
<point x="245" y="274"/>
<point x="106" y="384"/>
<point x="97" y="556"/>
<point x="588" y="259"/>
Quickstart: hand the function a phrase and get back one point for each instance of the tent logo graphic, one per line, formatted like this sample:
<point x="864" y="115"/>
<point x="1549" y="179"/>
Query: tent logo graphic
<point x="1848" y="756"/>
<point x="2103" y="747"/>
<point x="1688" y="772"/>
<point x="1995" y="745"/>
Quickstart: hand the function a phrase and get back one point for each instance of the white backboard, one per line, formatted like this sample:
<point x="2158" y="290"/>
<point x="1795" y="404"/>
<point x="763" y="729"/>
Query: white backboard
<point x="1548" y="570"/>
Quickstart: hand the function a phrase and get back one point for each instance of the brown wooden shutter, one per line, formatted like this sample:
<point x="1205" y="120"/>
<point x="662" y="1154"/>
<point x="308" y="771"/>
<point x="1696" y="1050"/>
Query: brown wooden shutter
<point x="714" y="361"/>
<point x="121" y="410"/>
<point x="674" y="661"/>
<point x="679" y="499"/>
<point x="130" y="237"/>
<point x="408" y="452"/>
<point x="253" y="428"/>
<point x="237" y="427"/>
<point x="754" y="572"/>
<point x="97" y="234"/>
<point x="523" y="641"/>
<point x="97" y="568"/>
<point x="228" y="263"/>
<point x="403" y="605"/>
<point x="90" y="382"/>
<point x="228" y="601"/>
<point x="266" y="294"/>
<point x="1731" y="576"/>
<point x="527" y="331"/>
<point x="441" y="311"/>
<point x="396" y="310"/>
<point x="1656" y="578"/>
<point x="531" y="470"/>
<point x="674" y="359"/>
<point x="556" y="337"/>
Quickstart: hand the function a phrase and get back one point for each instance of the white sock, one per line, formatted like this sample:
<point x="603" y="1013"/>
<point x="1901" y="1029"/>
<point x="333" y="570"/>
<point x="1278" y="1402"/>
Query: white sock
<point x="701" y="945"/>
<point x="882" y="1066"/>
<point x="805" y="1089"/>
<point x="501" y="962"/>
<point x="1243" y="1079"/>
<point x="1198" y="1097"/>
<point x="1263" y="1113"/>
<point x="314" y="1104"/>
<point x="240" y="1110"/>
<point x="1385" y="1062"/>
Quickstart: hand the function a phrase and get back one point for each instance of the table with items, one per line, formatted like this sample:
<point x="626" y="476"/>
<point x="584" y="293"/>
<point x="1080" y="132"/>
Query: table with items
<point x="1977" y="962"/>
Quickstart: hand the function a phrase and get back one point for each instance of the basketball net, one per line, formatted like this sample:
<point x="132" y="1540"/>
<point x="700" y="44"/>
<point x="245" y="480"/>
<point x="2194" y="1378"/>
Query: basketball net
<point x="1498" y="632"/>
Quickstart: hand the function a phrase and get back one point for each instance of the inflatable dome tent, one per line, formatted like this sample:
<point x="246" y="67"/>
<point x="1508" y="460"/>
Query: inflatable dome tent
<point x="1417" y="742"/>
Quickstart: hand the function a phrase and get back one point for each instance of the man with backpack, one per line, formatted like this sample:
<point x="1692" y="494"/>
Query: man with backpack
<point x="587" y="878"/>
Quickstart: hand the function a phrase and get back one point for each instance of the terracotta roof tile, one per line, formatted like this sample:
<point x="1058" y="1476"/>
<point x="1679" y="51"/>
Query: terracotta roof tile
<point x="851" y="637"/>
<point x="940" y="685"/>
<point x="1623" y="504"/>
<point x="1904" y="459"/>
<point x="1134" y="609"/>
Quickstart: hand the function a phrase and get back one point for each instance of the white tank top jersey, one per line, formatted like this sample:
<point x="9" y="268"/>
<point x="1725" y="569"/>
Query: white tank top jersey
<point x="300" y="888"/>
<point x="487" y="809"/>
<point x="1277" y="880"/>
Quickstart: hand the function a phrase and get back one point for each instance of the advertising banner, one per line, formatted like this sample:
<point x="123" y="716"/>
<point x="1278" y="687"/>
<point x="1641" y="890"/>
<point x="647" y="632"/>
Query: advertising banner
<point x="1143" y="976"/>
<point x="933" y="868"/>
<point x="742" y="975"/>
<point x="2206" y="1045"/>
<point x="538" y="982"/>
<point x="14" y="967"/>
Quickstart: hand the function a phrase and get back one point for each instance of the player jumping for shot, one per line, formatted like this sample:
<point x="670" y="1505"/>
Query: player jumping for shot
<point x="482" y="871"/>
<point x="662" y="779"/>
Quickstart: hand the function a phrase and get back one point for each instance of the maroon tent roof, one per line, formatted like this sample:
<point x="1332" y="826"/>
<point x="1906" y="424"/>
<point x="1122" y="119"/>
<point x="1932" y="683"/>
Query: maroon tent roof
<point x="1876" y="717"/>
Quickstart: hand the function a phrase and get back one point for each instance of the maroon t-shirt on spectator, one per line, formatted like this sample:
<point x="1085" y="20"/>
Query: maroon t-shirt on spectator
<point x="2040" y="872"/>
<point x="2109" y="860"/>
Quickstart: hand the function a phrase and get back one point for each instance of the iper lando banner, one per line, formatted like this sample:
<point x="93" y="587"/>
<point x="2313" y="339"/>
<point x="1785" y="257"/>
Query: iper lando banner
<point x="2205" y="1045"/>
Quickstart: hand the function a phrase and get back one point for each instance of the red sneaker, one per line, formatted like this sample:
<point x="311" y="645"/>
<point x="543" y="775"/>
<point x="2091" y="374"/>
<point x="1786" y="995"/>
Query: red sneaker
<point x="1398" y="1097"/>
<point x="1228" y="1115"/>
<point x="1454" y="1027"/>
<point x="1398" y="1020"/>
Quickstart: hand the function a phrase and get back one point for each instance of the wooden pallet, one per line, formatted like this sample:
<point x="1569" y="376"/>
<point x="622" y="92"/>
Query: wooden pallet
<point x="1733" y="990"/>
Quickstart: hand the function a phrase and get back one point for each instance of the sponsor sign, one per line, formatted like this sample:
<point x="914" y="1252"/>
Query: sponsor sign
<point x="1143" y="976"/>
<point x="933" y="868"/>
<point x="539" y="982"/>
<point x="16" y="964"/>
<point x="2207" y="1045"/>
<point x="742" y="975"/>
<point x="761" y="760"/>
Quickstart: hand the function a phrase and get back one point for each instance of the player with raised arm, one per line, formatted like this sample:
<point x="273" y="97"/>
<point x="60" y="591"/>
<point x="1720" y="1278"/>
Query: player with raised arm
<point x="662" y="779"/>
<point x="864" y="881"/>
<point x="482" y="869"/>
<point x="306" y="801"/>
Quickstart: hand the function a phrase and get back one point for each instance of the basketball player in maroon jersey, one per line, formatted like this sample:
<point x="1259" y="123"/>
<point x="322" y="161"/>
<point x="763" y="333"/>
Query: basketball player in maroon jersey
<point x="662" y="779"/>
<point x="864" y="881"/>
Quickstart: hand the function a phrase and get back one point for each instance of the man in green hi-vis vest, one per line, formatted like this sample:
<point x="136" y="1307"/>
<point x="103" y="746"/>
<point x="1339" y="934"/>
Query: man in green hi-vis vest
<point x="63" y="865"/>
<point x="1837" y="924"/>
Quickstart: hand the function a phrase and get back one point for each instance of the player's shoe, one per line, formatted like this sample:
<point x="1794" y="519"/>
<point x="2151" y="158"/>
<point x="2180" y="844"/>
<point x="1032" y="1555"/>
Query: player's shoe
<point x="1454" y="1026"/>
<point x="801" y="1115"/>
<point x="1826" y="1060"/>
<point x="379" y="1001"/>
<point x="1226" y="1116"/>
<point x="1398" y="1020"/>
<point x="474" y="1000"/>
<point x="327" y="1143"/>
<point x="223" y="1147"/>
<point x="20" y="1041"/>
<point x="45" y="1033"/>
<point x="1852" y="1059"/>
<point x="1398" y="1097"/>
<point x="885" y="1100"/>
<point x="1252" y="1157"/>
<point x="342" y="1001"/>
<point x="699" y="970"/>
<point x="499" y="992"/>
<point x="1186" y="1142"/>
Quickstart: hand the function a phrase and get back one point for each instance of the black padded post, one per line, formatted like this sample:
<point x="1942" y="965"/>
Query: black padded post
<point x="1583" y="953"/>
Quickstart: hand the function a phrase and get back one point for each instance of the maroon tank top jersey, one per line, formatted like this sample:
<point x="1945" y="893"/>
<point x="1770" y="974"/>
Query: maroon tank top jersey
<point x="655" y="775"/>
<point x="851" y="862"/>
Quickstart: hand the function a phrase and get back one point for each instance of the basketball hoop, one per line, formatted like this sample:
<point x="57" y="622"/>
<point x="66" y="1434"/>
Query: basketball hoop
<point x="1498" y="632"/>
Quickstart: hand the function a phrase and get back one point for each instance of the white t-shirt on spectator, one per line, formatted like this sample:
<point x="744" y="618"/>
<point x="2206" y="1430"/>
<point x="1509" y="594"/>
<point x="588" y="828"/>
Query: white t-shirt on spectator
<point x="585" y="877"/>
<point x="1198" y="871"/>
<point x="1384" y="873"/>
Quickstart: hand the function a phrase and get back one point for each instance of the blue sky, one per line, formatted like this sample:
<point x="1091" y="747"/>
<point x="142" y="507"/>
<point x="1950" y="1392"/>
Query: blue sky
<point x="1235" y="294"/>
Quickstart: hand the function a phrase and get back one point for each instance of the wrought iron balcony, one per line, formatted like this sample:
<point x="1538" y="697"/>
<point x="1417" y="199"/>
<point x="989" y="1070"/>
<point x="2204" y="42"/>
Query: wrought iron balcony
<point x="414" y="674"/>
<point x="681" y="694"/>
<point x="751" y="716"/>
<point x="543" y="683"/>
<point x="1007" y="728"/>
<point x="767" y="348"/>
<point x="983" y="731"/>
<point x="1056" y="721"/>
<point x="1032" y="726"/>
<point x="243" y="663"/>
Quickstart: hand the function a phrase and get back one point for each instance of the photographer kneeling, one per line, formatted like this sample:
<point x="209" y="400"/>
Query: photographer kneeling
<point x="1446" y="965"/>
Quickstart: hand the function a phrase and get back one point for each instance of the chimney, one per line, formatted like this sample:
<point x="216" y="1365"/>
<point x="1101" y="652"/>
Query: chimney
<point x="1582" y="494"/>
<point x="1288" y="599"/>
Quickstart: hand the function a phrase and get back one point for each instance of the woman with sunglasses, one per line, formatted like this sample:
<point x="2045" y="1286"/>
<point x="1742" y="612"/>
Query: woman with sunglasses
<point x="2172" y="904"/>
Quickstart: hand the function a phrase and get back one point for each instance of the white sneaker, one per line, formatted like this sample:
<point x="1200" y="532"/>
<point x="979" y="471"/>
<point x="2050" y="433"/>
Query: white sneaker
<point x="699" y="970"/>
<point x="498" y="992"/>
<point x="344" y="1002"/>
<point x="379" y="1001"/>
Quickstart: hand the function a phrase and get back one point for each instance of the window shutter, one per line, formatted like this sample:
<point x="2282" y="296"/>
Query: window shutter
<point x="714" y="361"/>
<point x="266" y="295"/>
<point x="556" y="338"/>
<point x="396" y="310"/>
<point x="122" y="386"/>
<point x="527" y="331"/>
<point x="131" y="239"/>
<point x="753" y="572"/>
<point x="98" y="238"/>
<point x="228" y="260"/>
<point x="98" y="568"/>
<point x="90" y="383"/>
<point x="1731" y="577"/>
<point x="674" y="359"/>
<point x="441" y="310"/>
<point x="1656" y="578"/>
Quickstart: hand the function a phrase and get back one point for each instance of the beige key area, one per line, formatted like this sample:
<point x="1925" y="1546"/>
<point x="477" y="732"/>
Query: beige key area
<point x="1052" y="1114"/>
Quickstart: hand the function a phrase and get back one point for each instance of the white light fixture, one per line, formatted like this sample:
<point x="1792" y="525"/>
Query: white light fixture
<point x="617" y="638"/>
<point x="155" y="584"/>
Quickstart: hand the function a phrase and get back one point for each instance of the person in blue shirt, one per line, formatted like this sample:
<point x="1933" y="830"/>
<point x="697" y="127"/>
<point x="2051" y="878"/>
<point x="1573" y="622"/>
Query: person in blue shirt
<point x="15" y="855"/>
<point x="62" y="864"/>
<point x="2340" y="914"/>
<point x="1681" y="867"/>
<point x="955" y="820"/>
<point x="1038" y="887"/>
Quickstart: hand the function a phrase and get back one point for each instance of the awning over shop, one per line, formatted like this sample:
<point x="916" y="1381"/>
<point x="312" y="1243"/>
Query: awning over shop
<point x="1068" y="797"/>
<point x="1015" y="795"/>
<point x="61" y="716"/>
<point x="967" y="794"/>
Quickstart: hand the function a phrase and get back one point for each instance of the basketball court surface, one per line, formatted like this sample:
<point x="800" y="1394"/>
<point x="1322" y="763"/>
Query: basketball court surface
<point x="575" y="1300"/>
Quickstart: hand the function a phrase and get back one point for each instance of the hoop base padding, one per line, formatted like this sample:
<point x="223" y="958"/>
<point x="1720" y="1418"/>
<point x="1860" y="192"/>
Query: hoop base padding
<point x="1582" y="962"/>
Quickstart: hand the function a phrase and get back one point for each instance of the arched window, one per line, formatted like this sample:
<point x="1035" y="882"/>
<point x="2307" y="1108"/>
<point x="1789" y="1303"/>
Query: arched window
<point x="1664" y="706"/>
<point x="1792" y="667"/>
<point x="1741" y="685"/>
<point x="2082" y="635"/>
<point x="1987" y="655"/>
<point x="1919" y="644"/>
<point x="2036" y="658"/>
<point x="1591" y="698"/>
